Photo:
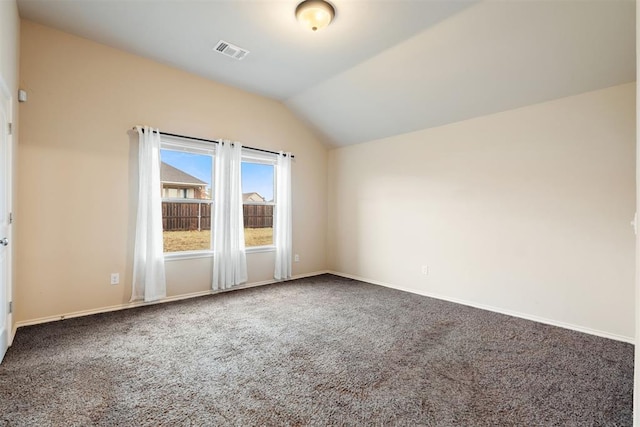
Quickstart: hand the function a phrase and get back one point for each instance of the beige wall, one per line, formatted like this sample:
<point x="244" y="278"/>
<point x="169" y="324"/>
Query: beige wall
<point x="525" y="211"/>
<point x="9" y="61"/>
<point x="76" y="166"/>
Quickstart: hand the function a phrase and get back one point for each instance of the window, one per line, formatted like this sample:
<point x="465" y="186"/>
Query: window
<point x="258" y="196"/>
<point x="186" y="174"/>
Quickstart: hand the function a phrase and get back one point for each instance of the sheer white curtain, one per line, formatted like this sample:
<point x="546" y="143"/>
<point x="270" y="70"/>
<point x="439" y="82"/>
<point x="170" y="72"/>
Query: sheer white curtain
<point x="229" y="256"/>
<point x="148" y="258"/>
<point x="283" y="218"/>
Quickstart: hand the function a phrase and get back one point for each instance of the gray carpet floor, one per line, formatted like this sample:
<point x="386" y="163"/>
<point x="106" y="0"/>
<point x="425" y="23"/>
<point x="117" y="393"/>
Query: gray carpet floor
<point x="317" y="351"/>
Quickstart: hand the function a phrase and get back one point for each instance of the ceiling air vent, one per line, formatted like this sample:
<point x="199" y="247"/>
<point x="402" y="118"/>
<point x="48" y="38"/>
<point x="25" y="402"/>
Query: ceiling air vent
<point x="233" y="51"/>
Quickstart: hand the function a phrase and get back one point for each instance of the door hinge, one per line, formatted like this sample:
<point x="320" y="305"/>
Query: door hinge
<point x="10" y="128"/>
<point x="10" y="307"/>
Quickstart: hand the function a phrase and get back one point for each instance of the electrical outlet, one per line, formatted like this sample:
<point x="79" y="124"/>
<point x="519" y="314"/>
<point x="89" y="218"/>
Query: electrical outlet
<point x="425" y="270"/>
<point x="115" y="278"/>
<point x="296" y="258"/>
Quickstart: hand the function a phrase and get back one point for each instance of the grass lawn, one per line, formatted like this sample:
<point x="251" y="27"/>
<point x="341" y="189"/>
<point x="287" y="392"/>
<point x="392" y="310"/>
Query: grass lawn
<point x="176" y="241"/>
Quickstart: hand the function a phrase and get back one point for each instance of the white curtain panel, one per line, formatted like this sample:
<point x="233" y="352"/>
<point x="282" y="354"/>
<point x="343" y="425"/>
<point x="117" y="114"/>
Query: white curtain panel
<point x="148" y="259"/>
<point x="229" y="256"/>
<point x="282" y="227"/>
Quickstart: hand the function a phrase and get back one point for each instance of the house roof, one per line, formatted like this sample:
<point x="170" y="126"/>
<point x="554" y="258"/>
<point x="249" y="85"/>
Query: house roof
<point x="174" y="175"/>
<point x="248" y="197"/>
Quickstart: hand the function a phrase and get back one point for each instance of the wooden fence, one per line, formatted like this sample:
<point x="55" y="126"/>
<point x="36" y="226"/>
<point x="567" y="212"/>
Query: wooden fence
<point x="258" y="216"/>
<point x="186" y="216"/>
<point x="197" y="216"/>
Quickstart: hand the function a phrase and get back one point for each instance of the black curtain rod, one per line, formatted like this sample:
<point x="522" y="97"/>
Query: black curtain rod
<point x="213" y="141"/>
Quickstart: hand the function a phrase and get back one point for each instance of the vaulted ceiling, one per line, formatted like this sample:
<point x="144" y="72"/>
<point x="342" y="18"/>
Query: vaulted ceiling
<point x="383" y="67"/>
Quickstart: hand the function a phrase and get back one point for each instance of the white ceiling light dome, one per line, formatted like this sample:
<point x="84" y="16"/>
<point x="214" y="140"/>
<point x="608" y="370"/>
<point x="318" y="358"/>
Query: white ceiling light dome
<point x="315" y="14"/>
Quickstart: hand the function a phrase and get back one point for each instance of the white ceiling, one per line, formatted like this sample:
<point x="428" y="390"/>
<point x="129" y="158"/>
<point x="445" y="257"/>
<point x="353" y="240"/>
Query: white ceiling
<point x="384" y="67"/>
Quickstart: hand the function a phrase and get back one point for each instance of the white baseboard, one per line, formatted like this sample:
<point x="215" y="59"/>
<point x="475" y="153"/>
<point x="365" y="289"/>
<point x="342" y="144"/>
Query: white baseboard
<point x="3" y="338"/>
<point x="603" y="334"/>
<point x="125" y="306"/>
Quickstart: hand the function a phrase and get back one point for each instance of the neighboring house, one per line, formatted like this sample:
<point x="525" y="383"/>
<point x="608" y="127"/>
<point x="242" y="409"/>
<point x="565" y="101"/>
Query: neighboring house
<point x="180" y="185"/>
<point x="252" y="197"/>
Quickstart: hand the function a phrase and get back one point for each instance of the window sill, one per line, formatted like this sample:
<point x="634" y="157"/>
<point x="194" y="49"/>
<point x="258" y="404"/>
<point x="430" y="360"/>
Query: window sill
<point x="175" y="256"/>
<point x="258" y="249"/>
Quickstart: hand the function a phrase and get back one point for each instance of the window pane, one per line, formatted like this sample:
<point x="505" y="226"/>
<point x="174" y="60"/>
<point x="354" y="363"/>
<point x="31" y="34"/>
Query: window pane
<point x="186" y="206"/>
<point x="257" y="188"/>
<point x="257" y="182"/>
<point x="186" y="226"/>
<point x="185" y="175"/>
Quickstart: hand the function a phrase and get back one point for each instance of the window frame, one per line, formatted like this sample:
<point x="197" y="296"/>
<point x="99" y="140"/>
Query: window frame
<point x="253" y="156"/>
<point x="198" y="147"/>
<point x="192" y="147"/>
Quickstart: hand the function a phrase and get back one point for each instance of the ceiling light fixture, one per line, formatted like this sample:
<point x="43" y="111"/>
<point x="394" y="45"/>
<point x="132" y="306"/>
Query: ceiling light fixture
<point x="315" y="14"/>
